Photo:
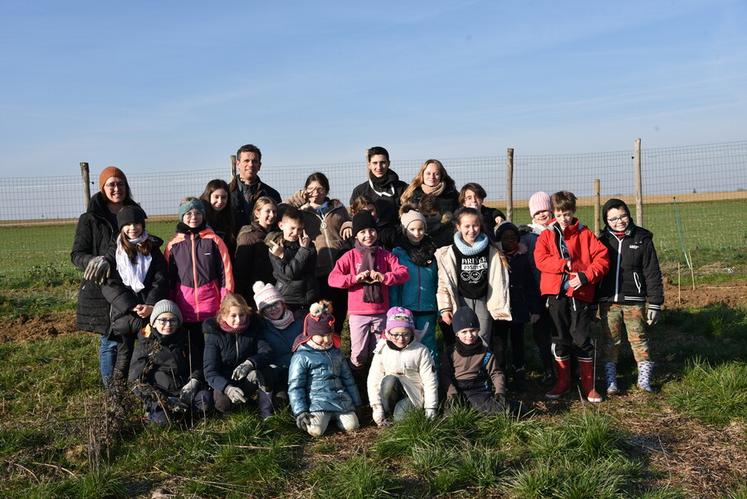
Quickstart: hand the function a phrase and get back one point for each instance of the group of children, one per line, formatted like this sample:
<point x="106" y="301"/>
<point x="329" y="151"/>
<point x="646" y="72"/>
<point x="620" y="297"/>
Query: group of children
<point x="200" y="346"/>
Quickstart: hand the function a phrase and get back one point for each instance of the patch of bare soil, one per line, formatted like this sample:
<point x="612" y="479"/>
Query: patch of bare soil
<point x="733" y="294"/>
<point x="27" y="328"/>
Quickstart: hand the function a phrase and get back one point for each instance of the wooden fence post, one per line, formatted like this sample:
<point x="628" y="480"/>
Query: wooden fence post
<point x="638" y="184"/>
<point x="233" y="166"/>
<point x="85" y="173"/>
<point x="510" y="184"/>
<point x="597" y="207"/>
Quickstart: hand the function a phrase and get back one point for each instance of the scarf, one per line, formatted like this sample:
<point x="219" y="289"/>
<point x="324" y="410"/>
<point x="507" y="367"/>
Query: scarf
<point x="285" y="321"/>
<point x="133" y="273"/>
<point x="480" y="244"/>
<point x="537" y="228"/>
<point x="468" y="350"/>
<point x="384" y="186"/>
<point x="433" y="191"/>
<point x="372" y="292"/>
<point x="186" y="229"/>
<point x="234" y="330"/>
<point x="422" y="254"/>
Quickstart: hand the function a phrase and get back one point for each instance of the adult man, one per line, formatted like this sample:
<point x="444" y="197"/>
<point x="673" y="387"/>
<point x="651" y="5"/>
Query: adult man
<point x="246" y="187"/>
<point x="383" y="187"/>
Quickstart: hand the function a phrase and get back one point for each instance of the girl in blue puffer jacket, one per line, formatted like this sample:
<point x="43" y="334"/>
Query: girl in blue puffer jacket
<point x="320" y="385"/>
<point x="416" y="251"/>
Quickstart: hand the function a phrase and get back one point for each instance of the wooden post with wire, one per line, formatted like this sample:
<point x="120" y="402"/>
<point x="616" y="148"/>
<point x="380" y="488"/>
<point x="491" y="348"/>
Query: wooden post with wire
<point x="510" y="184"/>
<point x="86" y="174"/>
<point x="638" y="183"/>
<point x="597" y="206"/>
<point x="233" y="166"/>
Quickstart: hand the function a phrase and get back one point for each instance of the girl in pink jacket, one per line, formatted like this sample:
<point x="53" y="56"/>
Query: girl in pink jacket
<point x="367" y="271"/>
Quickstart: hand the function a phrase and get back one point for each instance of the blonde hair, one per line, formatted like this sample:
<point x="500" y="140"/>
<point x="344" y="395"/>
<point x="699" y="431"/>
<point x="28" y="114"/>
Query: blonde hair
<point x="260" y="203"/>
<point x="233" y="300"/>
<point x="417" y="181"/>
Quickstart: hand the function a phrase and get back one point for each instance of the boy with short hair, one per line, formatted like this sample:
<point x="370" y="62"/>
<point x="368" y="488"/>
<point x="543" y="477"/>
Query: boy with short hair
<point x="294" y="262"/>
<point x="571" y="261"/>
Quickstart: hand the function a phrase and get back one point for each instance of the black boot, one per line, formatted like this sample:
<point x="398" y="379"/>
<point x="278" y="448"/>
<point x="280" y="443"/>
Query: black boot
<point x="360" y="375"/>
<point x="264" y="401"/>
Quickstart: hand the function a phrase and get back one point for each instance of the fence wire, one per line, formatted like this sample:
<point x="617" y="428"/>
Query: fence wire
<point x="707" y="184"/>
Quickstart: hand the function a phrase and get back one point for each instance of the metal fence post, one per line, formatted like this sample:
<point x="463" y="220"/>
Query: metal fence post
<point x="510" y="184"/>
<point x="84" y="172"/>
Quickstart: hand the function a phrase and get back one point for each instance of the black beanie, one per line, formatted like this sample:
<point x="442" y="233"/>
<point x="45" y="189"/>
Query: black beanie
<point x="131" y="214"/>
<point x="465" y="318"/>
<point x="505" y="227"/>
<point x="363" y="220"/>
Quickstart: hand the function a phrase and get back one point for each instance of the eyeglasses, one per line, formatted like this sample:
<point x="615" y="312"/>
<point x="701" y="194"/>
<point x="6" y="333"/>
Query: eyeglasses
<point x="114" y="185"/>
<point x="623" y="218"/>
<point x="165" y="322"/>
<point x="399" y="336"/>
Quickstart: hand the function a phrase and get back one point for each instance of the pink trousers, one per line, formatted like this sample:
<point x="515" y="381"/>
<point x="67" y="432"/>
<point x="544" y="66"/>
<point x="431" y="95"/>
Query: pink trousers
<point x="364" y="332"/>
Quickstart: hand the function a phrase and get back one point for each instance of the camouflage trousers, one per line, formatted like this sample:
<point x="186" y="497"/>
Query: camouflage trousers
<point x="613" y="316"/>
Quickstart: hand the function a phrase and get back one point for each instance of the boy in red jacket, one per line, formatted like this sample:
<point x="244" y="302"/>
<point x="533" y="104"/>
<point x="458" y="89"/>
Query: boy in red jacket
<point x="571" y="261"/>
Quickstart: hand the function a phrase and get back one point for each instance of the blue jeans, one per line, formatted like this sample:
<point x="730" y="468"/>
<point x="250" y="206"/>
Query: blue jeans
<point x="107" y="358"/>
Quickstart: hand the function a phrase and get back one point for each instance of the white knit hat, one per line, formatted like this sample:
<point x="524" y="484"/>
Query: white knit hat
<point x="165" y="306"/>
<point x="540" y="201"/>
<point x="265" y="295"/>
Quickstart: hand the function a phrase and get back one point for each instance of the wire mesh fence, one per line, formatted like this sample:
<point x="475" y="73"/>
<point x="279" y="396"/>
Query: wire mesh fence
<point x="691" y="195"/>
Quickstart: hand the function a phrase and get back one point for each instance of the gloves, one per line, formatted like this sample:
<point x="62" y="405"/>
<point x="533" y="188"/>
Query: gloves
<point x="652" y="316"/>
<point x="176" y="405"/>
<point x="235" y="394"/>
<point x="242" y="370"/>
<point x="303" y="420"/>
<point x="97" y="270"/>
<point x="500" y="400"/>
<point x="430" y="413"/>
<point x="378" y="416"/>
<point x="189" y="390"/>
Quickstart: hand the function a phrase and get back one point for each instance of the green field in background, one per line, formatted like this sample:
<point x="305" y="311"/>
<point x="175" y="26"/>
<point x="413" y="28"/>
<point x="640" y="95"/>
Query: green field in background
<point x="713" y="232"/>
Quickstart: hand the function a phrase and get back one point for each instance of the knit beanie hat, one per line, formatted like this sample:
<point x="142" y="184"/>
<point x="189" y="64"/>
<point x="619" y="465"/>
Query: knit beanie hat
<point x="465" y="318"/>
<point x="411" y="216"/>
<point x="540" y="201"/>
<point x="399" y="317"/>
<point x="265" y="295"/>
<point x="363" y="220"/>
<point x="505" y="227"/>
<point x="107" y="173"/>
<point x="189" y="204"/>
<point x="318" y="321"/>
<point x="163" y="307"/>
<point x="131" y="214"/>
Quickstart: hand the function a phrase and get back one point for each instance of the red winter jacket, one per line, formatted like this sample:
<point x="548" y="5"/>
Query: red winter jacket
<point x="588" y="256"/>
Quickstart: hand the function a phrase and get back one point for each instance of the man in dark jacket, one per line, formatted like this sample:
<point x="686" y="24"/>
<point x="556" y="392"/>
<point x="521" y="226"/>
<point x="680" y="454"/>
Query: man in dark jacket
<point x="246" y="187"/>
<point x="383" y="187"/>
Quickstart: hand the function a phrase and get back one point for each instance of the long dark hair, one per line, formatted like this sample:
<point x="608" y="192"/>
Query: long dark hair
<point x="132" y="250"/>
<point x="220" y="220"/>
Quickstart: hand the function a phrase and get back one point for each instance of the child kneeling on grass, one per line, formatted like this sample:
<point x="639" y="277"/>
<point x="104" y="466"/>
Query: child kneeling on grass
<point x="320" y="384"/>
<point x="237" y="357"/>
<point x="160" y="372"/>
<point x="470" y="371"/>
<point x="402" y="376"/>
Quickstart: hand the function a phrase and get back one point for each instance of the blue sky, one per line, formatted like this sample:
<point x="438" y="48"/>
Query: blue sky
<point x="167" y="86"/>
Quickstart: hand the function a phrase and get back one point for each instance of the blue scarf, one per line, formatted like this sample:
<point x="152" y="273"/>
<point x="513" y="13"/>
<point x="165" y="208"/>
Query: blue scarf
<point x="479" y="246"/>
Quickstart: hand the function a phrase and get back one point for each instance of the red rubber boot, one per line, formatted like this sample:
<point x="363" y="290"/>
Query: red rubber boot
<point x="586" y="373"/>
<point x="563" y="379"/>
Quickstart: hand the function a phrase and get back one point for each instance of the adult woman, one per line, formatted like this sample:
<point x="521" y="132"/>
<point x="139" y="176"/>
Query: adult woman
<point x="252" y="258"/>
<point x="323" y="219"/>
<point x="94" y="235"/>
<point x="435" y="194"/>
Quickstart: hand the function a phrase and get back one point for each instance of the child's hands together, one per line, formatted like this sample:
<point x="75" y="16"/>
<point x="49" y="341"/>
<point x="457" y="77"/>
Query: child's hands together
<point x="363" y="276"/>
<point x="375" y="276"/>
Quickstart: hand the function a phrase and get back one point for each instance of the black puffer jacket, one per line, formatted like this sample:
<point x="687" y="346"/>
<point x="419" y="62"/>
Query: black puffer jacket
<point x="295" y="274"/>
<point x="122" y="298"/>
<point x="93" y="236"/>
<point x="162" y="361"/>
<point x="634" y="276"/>
<point x="224" y="351"/>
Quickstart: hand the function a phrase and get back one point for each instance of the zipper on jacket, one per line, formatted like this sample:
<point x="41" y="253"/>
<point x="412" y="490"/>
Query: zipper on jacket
<point x="236" y="341"/>
<point x="617" y="270"/>
<point x="419" y="285"/>
<point x="194" y="276"/>
<point x="637" y="281"/>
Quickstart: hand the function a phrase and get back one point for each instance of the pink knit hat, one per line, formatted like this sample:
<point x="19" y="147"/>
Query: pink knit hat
<point x="399" y="317"/>
<point x="265" y="295"/>
<point x="540" y="201"/>
<point x="411" y="216"/>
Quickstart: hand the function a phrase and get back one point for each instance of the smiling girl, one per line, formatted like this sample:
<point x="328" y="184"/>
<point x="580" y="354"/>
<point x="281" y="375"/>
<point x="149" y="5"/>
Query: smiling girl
<point x="218" y="212"/>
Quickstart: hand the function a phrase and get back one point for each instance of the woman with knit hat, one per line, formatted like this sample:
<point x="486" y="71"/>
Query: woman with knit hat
<point x="94" y="235"/>
<point x="160" y="373"/>
<point x="200" y="271"/>
<point x="416" y="252"/>
<point x="320" y="385"/>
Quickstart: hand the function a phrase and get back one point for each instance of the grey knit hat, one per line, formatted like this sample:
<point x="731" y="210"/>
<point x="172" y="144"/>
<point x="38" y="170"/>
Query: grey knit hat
<point x="164" y="306"/>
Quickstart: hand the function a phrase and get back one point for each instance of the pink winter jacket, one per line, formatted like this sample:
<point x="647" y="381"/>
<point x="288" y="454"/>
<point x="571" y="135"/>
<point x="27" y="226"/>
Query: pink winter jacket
<point x="348" y="266"/>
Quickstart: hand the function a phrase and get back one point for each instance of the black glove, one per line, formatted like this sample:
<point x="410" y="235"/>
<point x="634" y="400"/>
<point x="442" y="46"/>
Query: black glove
<point x="303" y="420"/>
